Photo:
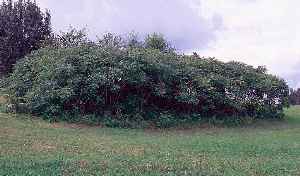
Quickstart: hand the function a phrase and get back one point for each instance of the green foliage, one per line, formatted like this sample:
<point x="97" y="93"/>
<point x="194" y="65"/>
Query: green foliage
<point x="166" y="120"/>
<point x="121" y="84"/>
<point x="23" y="28"/>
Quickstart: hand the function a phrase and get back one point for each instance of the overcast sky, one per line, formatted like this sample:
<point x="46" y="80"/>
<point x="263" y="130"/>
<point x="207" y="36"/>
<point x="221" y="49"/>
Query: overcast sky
<point x="257" y="32"/>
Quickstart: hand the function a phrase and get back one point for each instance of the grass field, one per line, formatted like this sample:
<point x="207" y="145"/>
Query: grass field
<point x="35" y="147"/>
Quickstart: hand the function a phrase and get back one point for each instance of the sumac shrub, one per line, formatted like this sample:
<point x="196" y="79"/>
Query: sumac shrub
<point x="119" y="85"/>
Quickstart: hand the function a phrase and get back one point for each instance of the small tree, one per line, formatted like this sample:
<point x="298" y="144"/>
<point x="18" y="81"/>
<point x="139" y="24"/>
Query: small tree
<point x="72" y="38"/>
<point x="157" y="41"/>
<point x="23" y="27"/>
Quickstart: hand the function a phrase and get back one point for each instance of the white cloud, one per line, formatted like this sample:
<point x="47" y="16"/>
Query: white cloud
<point x="261" y="32"/>
<point x="178" y="20"/>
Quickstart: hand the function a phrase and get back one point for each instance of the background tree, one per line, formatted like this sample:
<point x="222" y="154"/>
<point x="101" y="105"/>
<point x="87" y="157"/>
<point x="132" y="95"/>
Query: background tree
<point x="295" y="96"/>
<point x="23" y="28"/>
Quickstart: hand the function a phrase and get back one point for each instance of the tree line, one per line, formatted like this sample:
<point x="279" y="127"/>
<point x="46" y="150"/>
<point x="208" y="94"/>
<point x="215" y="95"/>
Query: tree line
<point x="295" y="96"/>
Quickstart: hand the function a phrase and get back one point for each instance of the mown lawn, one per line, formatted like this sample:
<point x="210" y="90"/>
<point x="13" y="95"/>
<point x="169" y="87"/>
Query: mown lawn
<point x="35" y="147"/>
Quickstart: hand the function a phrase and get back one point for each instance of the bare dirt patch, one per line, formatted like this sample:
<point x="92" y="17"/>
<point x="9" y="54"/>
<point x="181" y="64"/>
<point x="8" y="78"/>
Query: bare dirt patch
<point x="3" y="100"/>
<point x="73" y="125"/>
<point x="43" y="147"/>
<point x="134" y="151"/>
<point x="8" y="131"/>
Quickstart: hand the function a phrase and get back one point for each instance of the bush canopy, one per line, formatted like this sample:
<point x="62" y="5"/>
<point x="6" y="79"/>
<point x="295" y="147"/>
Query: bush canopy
<point x="107" y="79"/>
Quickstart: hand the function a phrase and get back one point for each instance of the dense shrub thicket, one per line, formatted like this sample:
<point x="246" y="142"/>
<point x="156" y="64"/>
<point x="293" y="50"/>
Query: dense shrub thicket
<point x="115" y="83"/>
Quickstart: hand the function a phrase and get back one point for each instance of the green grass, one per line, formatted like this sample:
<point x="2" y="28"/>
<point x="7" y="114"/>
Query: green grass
<point x="34" y="147"/>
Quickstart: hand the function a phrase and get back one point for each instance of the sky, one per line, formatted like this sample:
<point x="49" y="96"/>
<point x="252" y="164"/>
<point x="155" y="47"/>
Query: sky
<point x="256" y="32"/>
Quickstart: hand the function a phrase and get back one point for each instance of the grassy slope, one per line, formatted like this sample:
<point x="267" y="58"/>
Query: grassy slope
<point x="35" y="147"/>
